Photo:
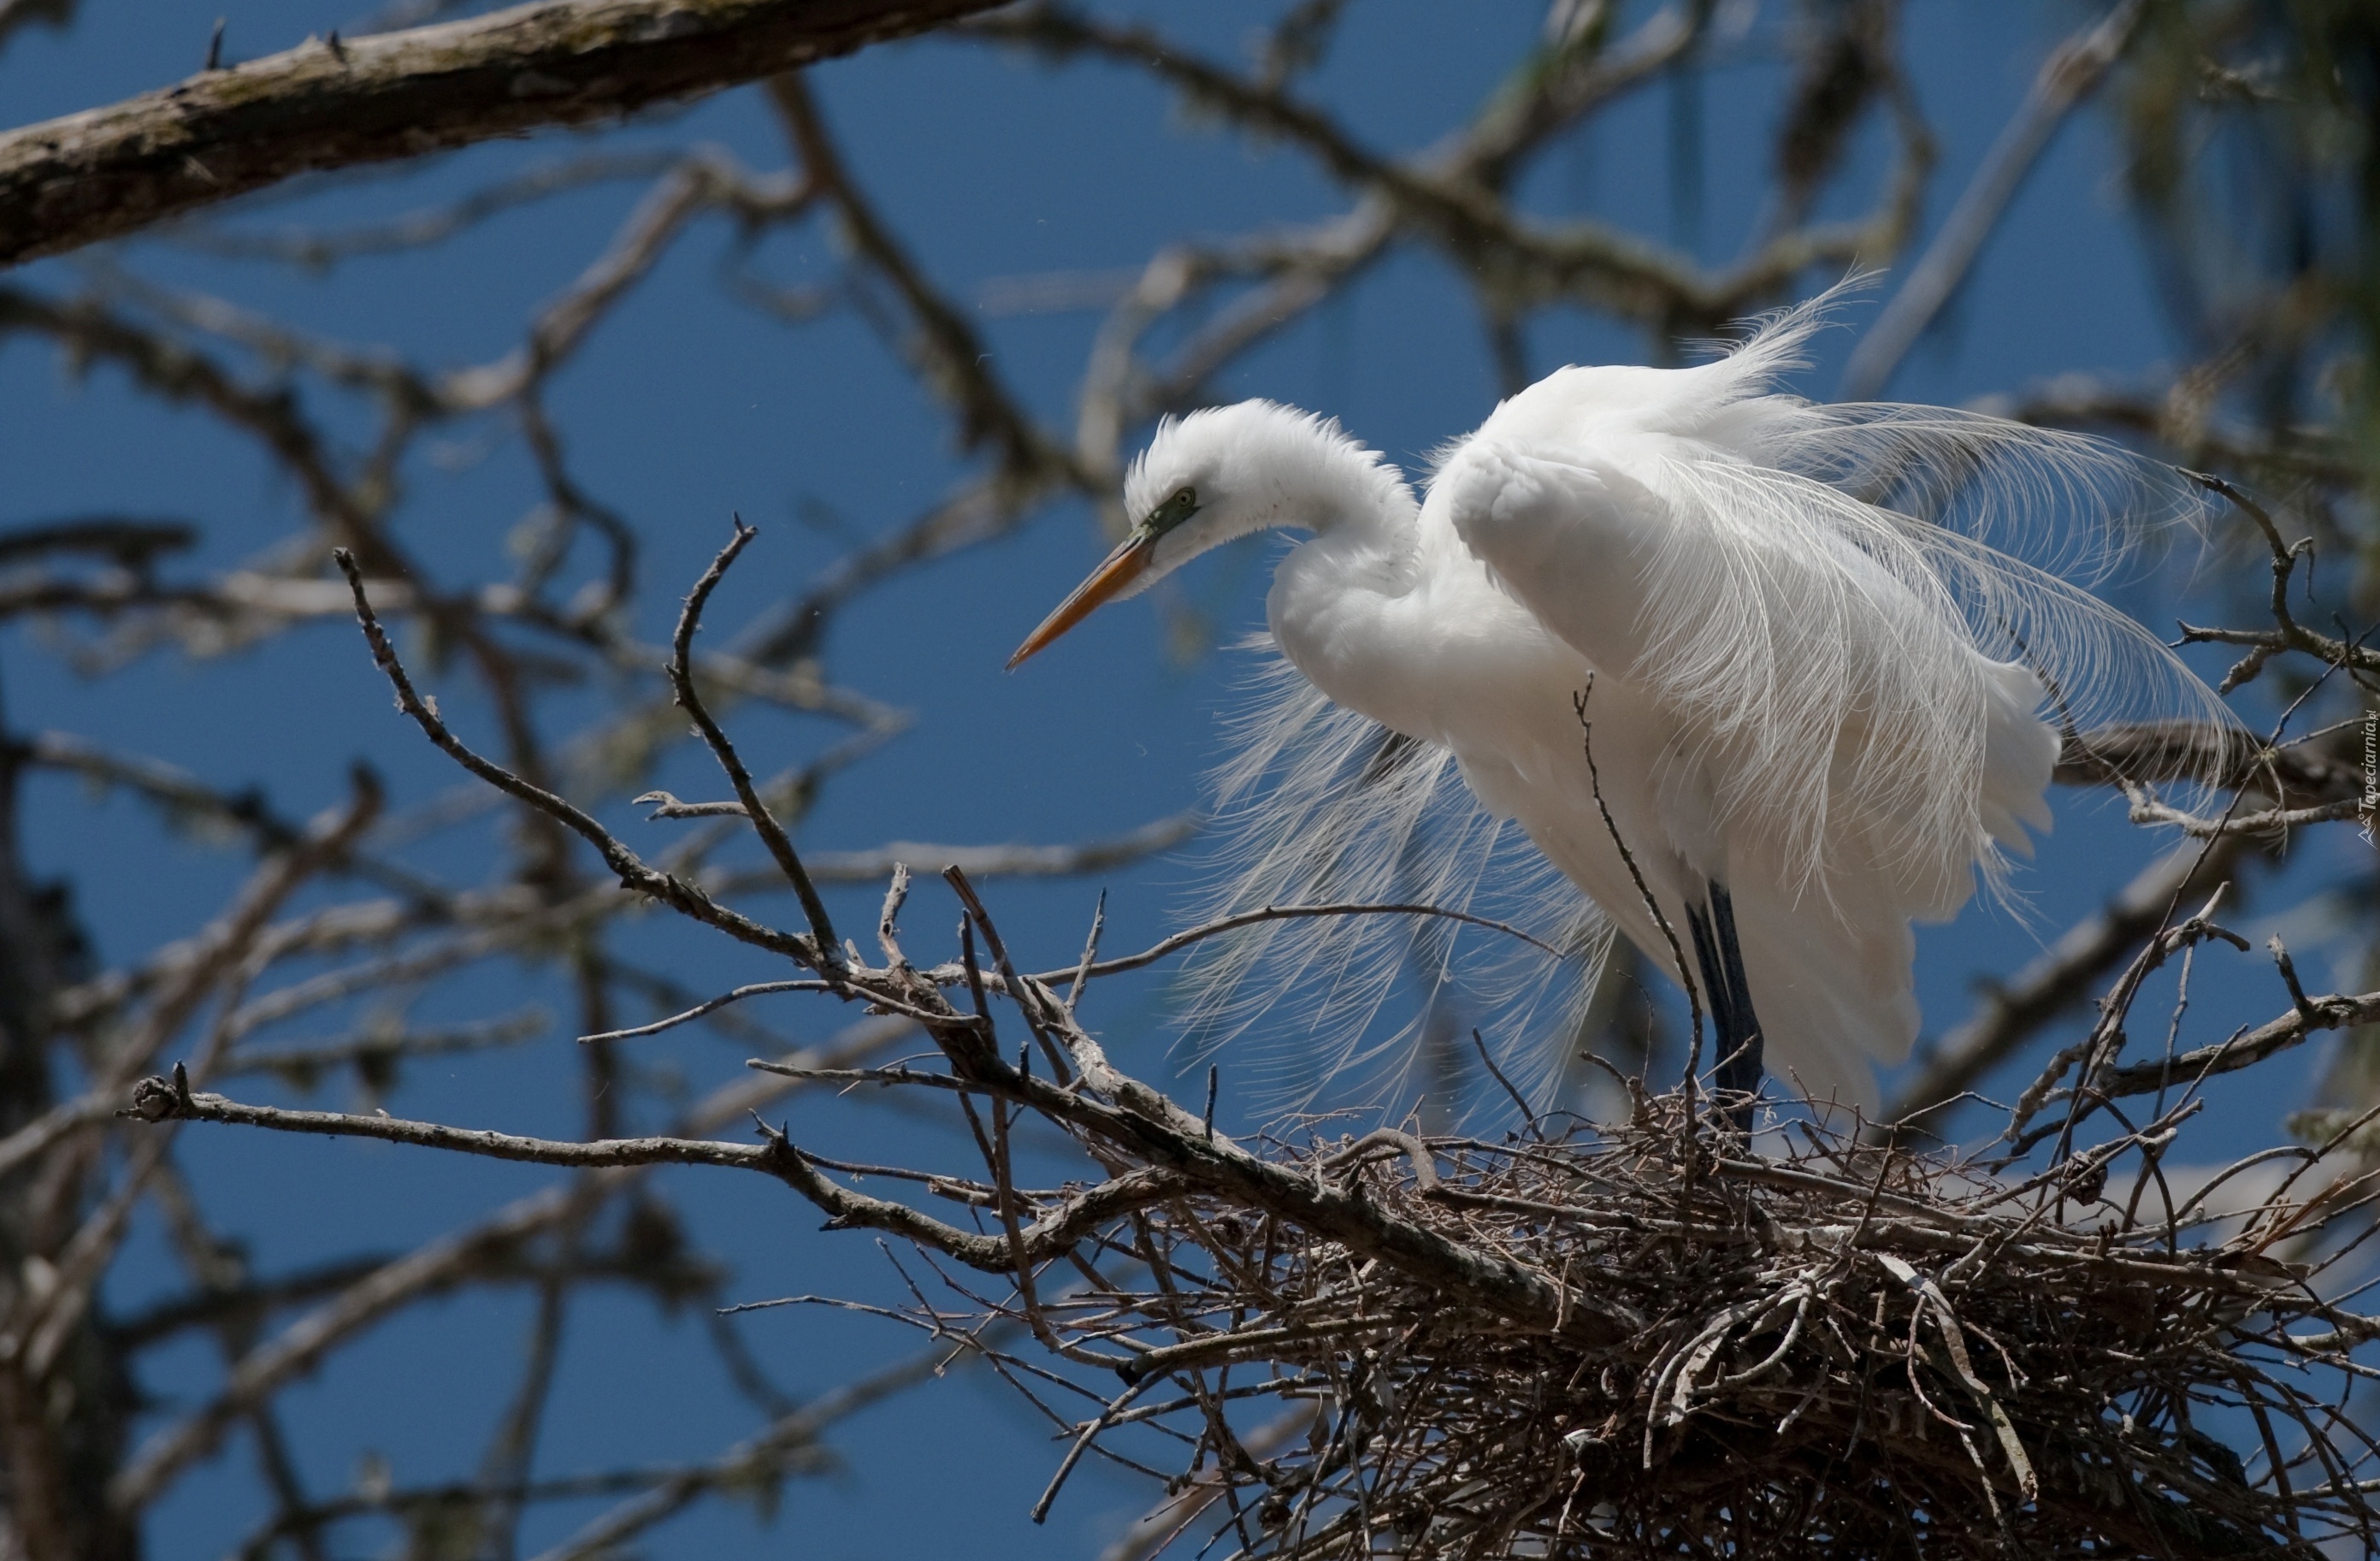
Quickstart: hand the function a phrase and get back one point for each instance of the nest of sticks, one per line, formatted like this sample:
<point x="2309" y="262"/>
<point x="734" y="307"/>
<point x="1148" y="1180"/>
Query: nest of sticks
<point x="1825" y="1349"/>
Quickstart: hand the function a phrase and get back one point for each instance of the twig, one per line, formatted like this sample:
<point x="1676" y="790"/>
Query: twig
<point x="1183" y="940"/>
<point x="1660" y="917"/>
<point x="2061" y="977"/>
<point x="631" y="869"/>
<point x="764" y="823"/>
<point x="1090" y="953"/>
<point x="1528" y="1117"/>
<point x="1029" y="998"/>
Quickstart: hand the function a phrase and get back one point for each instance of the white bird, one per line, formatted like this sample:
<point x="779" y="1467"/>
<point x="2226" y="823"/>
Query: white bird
<point x="1822" y="699"/>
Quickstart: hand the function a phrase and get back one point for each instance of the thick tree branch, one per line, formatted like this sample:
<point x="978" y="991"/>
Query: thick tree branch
<point x="328" y="103"/>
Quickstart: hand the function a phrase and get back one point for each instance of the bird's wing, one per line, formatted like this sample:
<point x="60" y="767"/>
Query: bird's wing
<point x="1826" y="692"/>
<point x="1782" y="575"/>
<point x="1848" y="669"/>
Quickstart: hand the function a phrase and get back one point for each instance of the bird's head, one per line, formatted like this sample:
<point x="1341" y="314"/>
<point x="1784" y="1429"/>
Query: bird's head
<point x="1207" y="478"/>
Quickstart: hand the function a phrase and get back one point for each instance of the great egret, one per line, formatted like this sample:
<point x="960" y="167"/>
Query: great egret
<point x="1822" y="698"/>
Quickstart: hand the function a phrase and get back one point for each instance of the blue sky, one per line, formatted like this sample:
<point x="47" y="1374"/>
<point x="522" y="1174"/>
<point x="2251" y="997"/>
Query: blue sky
<point x="685" y="408"/>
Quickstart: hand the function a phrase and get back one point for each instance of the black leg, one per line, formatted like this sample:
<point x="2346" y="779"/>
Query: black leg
<point x="1729" y="997"/>
<point x="1717" y="997"/>
<point x="1748" y="1068"/>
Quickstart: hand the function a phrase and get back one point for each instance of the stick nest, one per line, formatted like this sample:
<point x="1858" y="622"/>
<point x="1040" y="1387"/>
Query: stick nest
<point x="1832" y="1351"/>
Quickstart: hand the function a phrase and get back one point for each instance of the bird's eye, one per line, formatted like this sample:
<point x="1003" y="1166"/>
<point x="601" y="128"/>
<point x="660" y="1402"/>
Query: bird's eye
<point x="1175" y="510"/>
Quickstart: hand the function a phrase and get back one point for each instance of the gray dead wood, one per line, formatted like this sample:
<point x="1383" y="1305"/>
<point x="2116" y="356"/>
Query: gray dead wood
<point x="327" y="104"/>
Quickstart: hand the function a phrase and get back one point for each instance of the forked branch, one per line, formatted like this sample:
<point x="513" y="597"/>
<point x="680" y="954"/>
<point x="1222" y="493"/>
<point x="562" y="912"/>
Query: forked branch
<point x="631" y="869"/>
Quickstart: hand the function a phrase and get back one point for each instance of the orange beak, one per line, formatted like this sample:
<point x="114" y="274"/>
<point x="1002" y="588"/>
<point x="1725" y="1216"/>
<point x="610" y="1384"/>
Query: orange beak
<point x="1122" y="567"/>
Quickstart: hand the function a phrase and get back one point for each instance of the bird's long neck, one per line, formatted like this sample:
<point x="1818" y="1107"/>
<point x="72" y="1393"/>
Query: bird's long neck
<point x="1337" y="604"/>
<point x="1333" y="487"/>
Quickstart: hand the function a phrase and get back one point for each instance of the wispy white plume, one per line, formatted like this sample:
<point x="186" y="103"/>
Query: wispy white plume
<point x="1319" y="805"/>
<point x="1828" y="574"/>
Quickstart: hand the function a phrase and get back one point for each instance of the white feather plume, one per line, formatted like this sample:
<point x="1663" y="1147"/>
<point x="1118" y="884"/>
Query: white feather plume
<point x="1317" y="805"/>
<point x="1873" y="550"/>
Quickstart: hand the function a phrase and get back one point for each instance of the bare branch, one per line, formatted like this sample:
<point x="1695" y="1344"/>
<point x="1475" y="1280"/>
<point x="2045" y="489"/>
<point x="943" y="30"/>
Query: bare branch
<point x="2245" y="1049"/>
<point x="420" y="229"/>
<point x="2065" y="80"/>
<point x="1183" y="940"/>
<point x="632" y="874"/>
<point x="2144" y="752"/>
<point x="991" y="861"/>
<point x="296" y="1352"/>
<point x="106" y="172"/>
<point x="2287" y="633"/>
<point x="945" y="350"/>
<point x="792" y="1435"/>
<point x="2012" y="1013"/>
<point x="131" y="541"/>
<point x="450" y="1259"/>
<point x="378" y="1052"/>
<point x="160" y="1100"/>
<point x="764" y="823"/>
<point x="170" y="1099"/>
<point x="1445" y="196"/>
